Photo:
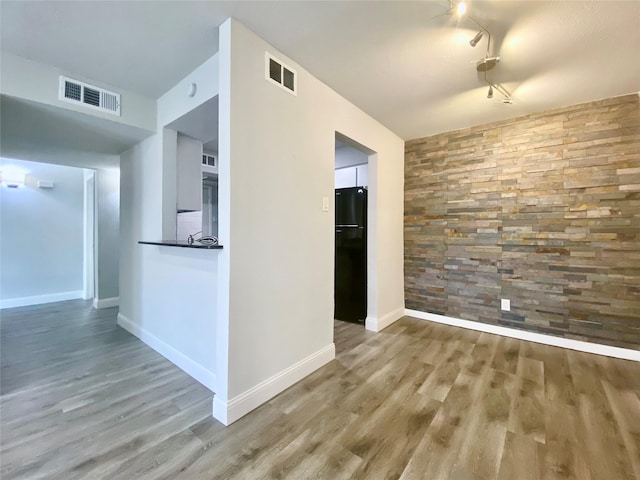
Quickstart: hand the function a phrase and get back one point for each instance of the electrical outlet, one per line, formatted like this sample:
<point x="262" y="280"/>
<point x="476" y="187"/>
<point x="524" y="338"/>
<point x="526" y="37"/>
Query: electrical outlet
<point x="505" y="304"/>
<point x="325" y="204"/>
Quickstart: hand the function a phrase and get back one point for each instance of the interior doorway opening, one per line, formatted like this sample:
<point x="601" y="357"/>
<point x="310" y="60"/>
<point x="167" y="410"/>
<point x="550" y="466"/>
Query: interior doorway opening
<point x="47" y="233"/>
<point x="352" y="215"/>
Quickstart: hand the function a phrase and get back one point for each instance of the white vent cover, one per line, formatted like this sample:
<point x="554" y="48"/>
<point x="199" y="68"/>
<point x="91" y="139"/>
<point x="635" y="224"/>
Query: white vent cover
<point x="280" y="74"/>
<point x="89" y="96"/>
<point x="209" y="160"/>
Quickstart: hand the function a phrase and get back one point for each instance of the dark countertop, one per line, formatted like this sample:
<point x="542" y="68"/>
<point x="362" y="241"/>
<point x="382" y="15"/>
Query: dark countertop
<point x="181" y="243"/>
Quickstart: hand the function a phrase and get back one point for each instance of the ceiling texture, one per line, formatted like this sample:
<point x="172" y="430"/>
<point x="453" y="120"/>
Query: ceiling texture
<point x="408" y="64"/>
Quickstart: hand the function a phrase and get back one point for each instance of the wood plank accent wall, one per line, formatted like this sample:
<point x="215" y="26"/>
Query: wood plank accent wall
<point x="543" y="210"/>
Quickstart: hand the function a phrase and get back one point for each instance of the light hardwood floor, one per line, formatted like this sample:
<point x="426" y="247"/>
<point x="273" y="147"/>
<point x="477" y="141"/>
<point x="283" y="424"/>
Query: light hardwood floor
<point x="81" y="398"/>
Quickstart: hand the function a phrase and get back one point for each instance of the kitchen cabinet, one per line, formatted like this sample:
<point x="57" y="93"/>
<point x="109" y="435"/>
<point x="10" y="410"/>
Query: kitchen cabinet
<point x="346" y="177"/>
<point x="356" y="176"/>
<point x="189" y="174"/>
<point x="362" y="175"/>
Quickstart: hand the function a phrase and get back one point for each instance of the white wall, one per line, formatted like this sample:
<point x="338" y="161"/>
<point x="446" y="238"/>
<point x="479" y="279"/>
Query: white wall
<point x="276" y="155"/>
<point x="168" y="295"/>
<point x="23" y="78"/>
<point x="140" y="217"/>
<point x="347" y="156"/>
<point x="108" y="234"/>
<point x="251" y="319"/>
<point x="41" y="236"/>
<point x="176" y="102"/>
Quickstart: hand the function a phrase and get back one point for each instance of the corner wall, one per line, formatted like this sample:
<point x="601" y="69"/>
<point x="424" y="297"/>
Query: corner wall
<point x="168" y="296"/>
<point x="543" y="210"/>
<point x="276" y="164"/>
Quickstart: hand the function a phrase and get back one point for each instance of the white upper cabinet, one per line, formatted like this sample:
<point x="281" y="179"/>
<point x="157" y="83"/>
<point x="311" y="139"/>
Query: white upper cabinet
<point x="357" y="176"/>
<point x="346" y="177"/>
<point x="362" y="175"/>
<point x="189" y="173"/>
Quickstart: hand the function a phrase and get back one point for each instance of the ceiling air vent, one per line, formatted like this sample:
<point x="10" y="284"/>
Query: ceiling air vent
<point x="89" y="96"/>
<point x="280" y="74"/>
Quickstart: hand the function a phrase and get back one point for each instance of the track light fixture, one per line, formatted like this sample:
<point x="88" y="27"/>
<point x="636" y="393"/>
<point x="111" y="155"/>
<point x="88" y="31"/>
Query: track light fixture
<point x="474" y="41"/>
<point x="499" y="88"/>
<point x="503" y="91"/>
<point x="488" y="62"/>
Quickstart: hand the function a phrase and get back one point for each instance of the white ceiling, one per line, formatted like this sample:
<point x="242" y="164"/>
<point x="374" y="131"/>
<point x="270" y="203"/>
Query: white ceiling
<point x="412" y="72"/>
<point x="200" y="123"/>
<point x="44" y="133"/>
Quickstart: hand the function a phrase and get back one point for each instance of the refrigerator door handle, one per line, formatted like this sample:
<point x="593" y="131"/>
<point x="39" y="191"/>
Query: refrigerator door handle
<point x="343" y="226"/>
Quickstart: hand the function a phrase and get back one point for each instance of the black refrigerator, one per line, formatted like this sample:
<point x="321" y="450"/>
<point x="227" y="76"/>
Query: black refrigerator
<point x="351" y="255"/>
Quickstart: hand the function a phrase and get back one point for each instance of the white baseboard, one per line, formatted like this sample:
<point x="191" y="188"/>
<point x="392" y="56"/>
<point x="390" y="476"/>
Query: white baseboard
<point x="40" y="299"/>
<point x="192" y="368"/>
<point x="99" y="303"/>
<point x="377" y="324"/>
<point x="228" y="412"/>
<point x="589" y="347"/>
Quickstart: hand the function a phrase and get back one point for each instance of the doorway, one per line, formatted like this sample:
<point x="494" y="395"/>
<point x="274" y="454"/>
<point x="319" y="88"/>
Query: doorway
<point x="351" y="227"/>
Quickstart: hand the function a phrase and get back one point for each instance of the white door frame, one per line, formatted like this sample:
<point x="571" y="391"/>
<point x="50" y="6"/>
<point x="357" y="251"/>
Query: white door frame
<point x="372" y="188"/>
<point x="89" y="270"/>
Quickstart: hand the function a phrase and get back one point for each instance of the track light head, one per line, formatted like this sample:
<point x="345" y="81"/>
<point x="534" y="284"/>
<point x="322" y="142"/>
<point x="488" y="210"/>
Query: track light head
<point x="474" y="41"/>
<point x="490" y="92"/>
<point x="461" y="8"/>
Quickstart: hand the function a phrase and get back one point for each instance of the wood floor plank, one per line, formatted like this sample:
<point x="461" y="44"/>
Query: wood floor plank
<point x="600" y="434"/>
<point x="626" y="410"/>
<point x="519" y="458"/>
<point x="82" y="398"/>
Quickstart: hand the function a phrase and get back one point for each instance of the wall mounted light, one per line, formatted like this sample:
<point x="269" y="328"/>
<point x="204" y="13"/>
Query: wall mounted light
<point x="13" y="178"/>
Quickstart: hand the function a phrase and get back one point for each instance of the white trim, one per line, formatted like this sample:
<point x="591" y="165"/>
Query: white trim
<point x="106" y="302"/>
<point x="40" y="299"/>
<point x="228" y="412"/>
<point x="192" y="368"/>
<point x="377" y="324"/>
<point x="589" y="347"/>
<point x="89" y="234"/>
